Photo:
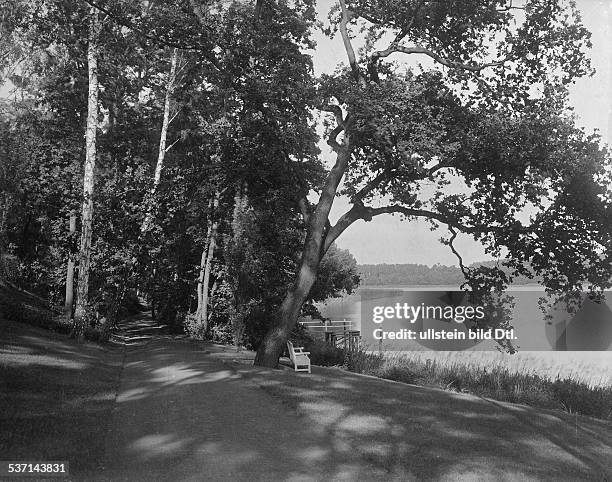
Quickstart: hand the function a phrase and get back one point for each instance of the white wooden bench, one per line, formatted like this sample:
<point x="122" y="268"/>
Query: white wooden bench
<point x="299" y="358"/>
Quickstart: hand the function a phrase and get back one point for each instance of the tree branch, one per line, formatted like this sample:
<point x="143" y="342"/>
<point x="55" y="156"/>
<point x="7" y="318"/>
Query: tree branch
<point x="305" y="208"/>
<point x="438" y="58"/>
<point x="455" y="252"/>
<point x="372" y="64"/>
<point x="359" y="211"/>
<point x="332" y="142"/>
<point x="341" y="125"/>
<point x="172" y="145"/>
<point x="437" y="167"/>
<point x="346" y="18"/>
<point x="174" y="116"/>
<point x="206" y="51"/>
<point x="337" y="111"/>
<point x="394" y="208"/>
<point x="348" y="218"/>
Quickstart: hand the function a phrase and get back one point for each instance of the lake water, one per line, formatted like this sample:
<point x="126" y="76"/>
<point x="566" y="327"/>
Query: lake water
<point x="590" y="329"/>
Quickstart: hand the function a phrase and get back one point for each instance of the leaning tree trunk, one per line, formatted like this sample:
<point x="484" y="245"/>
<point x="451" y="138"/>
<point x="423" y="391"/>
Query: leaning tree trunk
<point x="289" y="312"/>
<point x="88" y="177"/>
<point x="315" y="245"/>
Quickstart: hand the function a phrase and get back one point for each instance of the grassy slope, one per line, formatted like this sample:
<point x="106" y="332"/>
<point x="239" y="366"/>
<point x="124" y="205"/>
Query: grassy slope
<point x="19" y="305"/>
<point x="419" y="433"/>
<point x="56" y="395"/>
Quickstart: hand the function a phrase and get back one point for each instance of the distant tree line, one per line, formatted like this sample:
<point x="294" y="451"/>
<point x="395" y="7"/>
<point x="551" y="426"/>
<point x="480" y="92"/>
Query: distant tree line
<point x="421" y="274"/>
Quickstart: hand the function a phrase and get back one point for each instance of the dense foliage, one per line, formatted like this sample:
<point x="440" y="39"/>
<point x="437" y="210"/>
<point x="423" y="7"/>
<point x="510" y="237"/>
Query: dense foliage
<point x="240" y="118"/>
<point x="207" y="162"/>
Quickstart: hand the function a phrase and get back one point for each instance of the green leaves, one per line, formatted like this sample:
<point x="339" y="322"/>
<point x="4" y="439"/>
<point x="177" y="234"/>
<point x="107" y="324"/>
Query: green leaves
<point x="483" y="139"/>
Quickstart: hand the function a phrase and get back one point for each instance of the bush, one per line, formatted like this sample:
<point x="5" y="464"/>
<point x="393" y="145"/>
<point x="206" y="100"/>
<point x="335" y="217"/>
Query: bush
<point x="193" y="327"/>
<point x="16" y="305"/>
<point x="321" y="353"/>
<point x="324" y="354"/>
<point x="97" y="327"/>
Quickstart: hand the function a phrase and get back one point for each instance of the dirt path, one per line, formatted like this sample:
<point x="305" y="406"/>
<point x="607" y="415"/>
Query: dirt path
<point x="182" y="414"/>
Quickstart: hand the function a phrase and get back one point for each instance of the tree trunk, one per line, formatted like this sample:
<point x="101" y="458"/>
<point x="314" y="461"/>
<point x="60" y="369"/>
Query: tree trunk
<point x="3" y="237"/>
<point x="200" y="287"/>
<point x="88" y="177"/>
<point x="205" y="268"/>
<point x="239" y="249"/>
<point x="146" y="225"/>
<point x="70" y="273"/>
<point x="206" y="280"/>
<point x="273" y="343"/>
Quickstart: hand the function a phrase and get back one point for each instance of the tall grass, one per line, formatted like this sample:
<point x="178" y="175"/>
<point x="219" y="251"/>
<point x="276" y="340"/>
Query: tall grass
<point x="505" y="383"/>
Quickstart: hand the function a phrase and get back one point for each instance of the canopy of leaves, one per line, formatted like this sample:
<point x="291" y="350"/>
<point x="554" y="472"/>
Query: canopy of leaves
<point x="483" y="141"/>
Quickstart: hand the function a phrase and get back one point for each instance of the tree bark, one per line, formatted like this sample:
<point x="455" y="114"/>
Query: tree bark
<point x="239" y="244"/>
<point x="314" y="249"/>
<point x="205" y="268"/>
<point x="206" y="279"/>
<point x="88" y="176"/>
<point x="146" y="225"/>
<point x="272" y="346"/>
<point x="3" y="237"/>
<point x="70" y="273"/>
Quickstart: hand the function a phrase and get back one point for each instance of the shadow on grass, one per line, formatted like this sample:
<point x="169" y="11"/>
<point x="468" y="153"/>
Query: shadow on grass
<point x="183" y="413"/>
<point x="433" y="434"/>
<point x="187" y="416"/>
<point x="55" y="396"/>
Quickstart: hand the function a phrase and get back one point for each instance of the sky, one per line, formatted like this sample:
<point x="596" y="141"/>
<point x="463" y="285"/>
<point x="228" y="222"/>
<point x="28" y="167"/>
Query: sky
<point x="387" y="239"/>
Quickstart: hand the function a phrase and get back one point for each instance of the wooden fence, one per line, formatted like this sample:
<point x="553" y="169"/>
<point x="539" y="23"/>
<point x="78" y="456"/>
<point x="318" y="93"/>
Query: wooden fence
<point x="336" y="332"/>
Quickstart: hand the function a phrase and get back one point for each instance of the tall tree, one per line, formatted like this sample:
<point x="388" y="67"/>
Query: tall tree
<point x="489" y="114"/>
<point x="163" y="149"/>
<point x="208" y="253"/>
<point x="69" y="297"/>
<point x="87" y="212"/>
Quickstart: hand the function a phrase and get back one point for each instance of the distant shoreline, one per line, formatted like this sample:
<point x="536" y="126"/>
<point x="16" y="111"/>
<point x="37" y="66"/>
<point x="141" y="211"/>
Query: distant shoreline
<point x="420" y="274"/>
<point x="443" y="287"/>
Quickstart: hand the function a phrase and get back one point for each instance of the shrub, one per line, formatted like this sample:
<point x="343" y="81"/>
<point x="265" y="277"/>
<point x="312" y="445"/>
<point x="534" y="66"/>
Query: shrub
<point x="321" y="353"/>
<point x="22" y="307"/>
<point x="324" y="354"/>
<point x="193" y="327"/>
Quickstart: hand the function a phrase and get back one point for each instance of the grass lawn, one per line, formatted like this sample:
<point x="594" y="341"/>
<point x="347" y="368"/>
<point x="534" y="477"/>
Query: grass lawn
<point x="56" y="396"/>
